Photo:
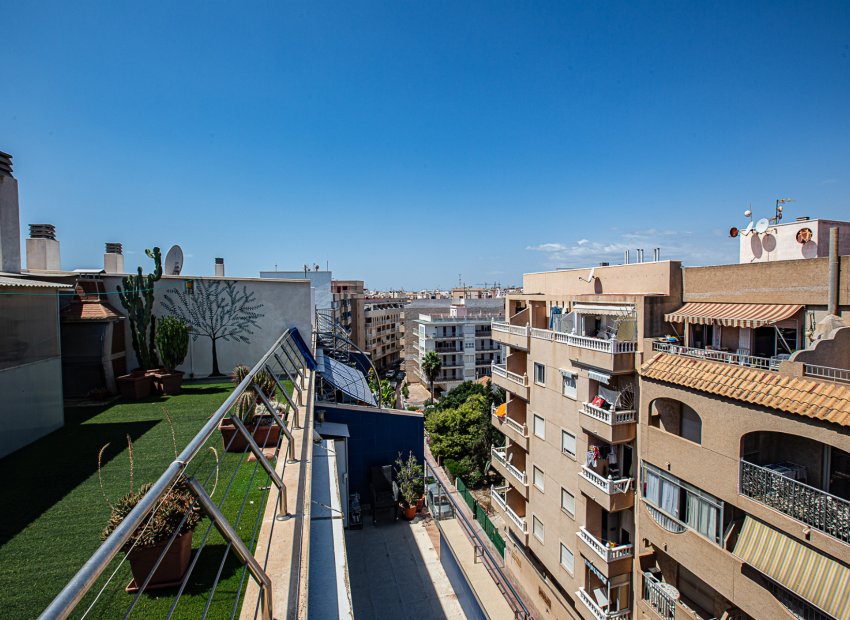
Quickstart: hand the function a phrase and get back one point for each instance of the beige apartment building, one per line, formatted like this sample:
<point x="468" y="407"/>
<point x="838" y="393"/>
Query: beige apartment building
<point x="570" y="460"/>
<point x="344" y="293"/>
<point x="376" y="327"/>
<point x="678" y="441"/>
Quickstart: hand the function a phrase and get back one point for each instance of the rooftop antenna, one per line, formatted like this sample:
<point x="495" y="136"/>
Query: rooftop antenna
<point x="780" y="203"/>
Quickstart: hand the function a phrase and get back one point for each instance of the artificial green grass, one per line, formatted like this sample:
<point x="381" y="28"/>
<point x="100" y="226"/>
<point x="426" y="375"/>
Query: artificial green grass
<point x="55" y="511"/>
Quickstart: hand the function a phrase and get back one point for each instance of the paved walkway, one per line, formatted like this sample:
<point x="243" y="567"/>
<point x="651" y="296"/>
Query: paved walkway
<point x="395" y="572"/>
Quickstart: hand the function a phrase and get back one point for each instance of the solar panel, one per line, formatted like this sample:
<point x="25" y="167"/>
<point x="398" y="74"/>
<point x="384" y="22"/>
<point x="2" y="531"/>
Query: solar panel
<point x="347" y="379"/>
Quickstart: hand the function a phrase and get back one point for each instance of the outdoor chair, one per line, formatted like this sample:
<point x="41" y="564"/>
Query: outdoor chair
<point x="384" y="491"/>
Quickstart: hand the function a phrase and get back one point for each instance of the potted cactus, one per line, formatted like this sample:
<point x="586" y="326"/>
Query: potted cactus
<point x="252" y="412"/>
<point x="411" y="484"/>
<point x="172" y="343"/>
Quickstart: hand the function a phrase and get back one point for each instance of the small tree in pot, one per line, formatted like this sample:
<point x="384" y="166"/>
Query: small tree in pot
<point x="411" y="483"/>
<point x="251" y="410"/>
<point x="172" y="343"/>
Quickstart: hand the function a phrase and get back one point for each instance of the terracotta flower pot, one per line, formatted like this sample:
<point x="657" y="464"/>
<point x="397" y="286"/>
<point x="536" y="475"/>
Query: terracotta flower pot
<point x="168" y="382"/>
<point x="170" y="570"/>
<point x="134" y="386"/>
<point x="266" y="435"/>
<point x="409" y="513"/>
<point x="420" y="503"/>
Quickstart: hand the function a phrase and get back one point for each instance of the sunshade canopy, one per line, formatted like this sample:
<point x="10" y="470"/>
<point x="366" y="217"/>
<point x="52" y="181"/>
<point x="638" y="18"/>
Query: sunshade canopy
<point x="814" y="577"/>
<point x="732" y="315"/>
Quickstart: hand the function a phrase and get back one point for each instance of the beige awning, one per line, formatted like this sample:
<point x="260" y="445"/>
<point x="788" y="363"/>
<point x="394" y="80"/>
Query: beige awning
<point x="820" y="580"/>
<point x="732" y="315"/>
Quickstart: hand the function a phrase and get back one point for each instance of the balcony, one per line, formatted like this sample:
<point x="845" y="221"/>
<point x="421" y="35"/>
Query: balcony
<point x="597" y="611"/>
<point x="616" y="558"/>
<point x="610" y="493"/>
<point x="499" y="498"/>
<point x="818" y="509"/>
<point x="510" y="472"/>
<point x="610" y="355"/>
<point x="735" y="359"/>
<point x="615" y="426"/>
<point x="515" y="336"/>
<point x="515" y="431"/>
<point x="659" y="597"/>
<point x="510" y="381"/>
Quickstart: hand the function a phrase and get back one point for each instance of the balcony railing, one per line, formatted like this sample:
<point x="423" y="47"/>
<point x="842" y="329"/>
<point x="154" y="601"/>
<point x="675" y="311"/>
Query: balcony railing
<point x="501" y="455"/>
<point x="542" y="334"/>
<point x="598" y="344"/>
<point x="598" y="612"/>
<point x="609" y="485"/>
<point x="611" y="418"/>
<point x="507" y="328"/>
<point x="522" y="429"/>
<point x="605" y="550"/>
<point x="841" y="375"/>
<point x="501" y="370"/>
<point x="661" y="601"/>
<point x="737" y="359"/>
<point x="498" y="495"/>
<point x="818" y="509"/>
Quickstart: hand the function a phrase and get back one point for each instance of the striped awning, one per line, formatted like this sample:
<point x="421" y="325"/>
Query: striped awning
<point x="732" y="315"/>
<point x="821" y="581"/>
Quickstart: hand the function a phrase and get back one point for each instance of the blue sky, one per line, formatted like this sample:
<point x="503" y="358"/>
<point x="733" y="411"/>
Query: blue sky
<point x="408" y="142"/>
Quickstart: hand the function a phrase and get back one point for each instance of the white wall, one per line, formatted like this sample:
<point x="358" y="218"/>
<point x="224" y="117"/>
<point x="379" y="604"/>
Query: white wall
<point x="319" y="280"/>
<point x="273" y="306"/>
<point x="32" y="403"/>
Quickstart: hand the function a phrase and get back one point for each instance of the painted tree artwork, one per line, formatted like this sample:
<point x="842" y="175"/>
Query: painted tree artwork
<point x="218" y="310"/>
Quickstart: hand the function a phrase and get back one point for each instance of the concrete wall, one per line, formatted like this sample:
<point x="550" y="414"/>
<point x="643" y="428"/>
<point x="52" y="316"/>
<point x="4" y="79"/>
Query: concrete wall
<point x="32" y="403"/>
<point x="273" y="306"/>
<point x="319" y="280"/>
<point x="376" y="439"/>
<point x="780" y="243"/>
<point x="633" y="279"/>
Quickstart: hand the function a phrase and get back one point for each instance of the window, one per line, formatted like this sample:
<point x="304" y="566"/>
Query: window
<point x="537" y="528"/>
<point x="567" y="558"/>
<point x="568" y="502"/>
<point x="538" y="478"/>
<point x="568" y="443"/>
<point x="683" y="502"/>
<point x="539" y="427"/>
<point x="539" y="374"/>
<point x="569" y="385"/>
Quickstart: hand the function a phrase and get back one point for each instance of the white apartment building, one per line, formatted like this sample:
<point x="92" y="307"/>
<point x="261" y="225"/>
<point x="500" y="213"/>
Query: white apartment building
<point x="462" y="339"/>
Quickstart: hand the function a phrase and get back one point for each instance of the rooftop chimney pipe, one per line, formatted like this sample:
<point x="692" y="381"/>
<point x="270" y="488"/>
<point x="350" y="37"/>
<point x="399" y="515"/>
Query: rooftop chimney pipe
<point x="43" y="248"/>
<point x="219" y="267"/>
<point x="639" y="255"/>
<point x="656" y="254"/>
<point x="10" y="223"/>
<point x="832" y="303"/>
<point x="626" y="257"/>
<point x="113" y="260"/>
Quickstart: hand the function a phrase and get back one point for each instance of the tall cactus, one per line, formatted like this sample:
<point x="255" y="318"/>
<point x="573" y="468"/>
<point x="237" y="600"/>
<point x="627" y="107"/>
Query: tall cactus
<point x="137" y="299"/>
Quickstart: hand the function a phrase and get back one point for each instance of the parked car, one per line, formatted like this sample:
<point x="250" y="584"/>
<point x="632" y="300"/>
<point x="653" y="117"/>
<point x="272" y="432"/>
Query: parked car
<point x="438" y="503"/>
<point x="390" y="374"/>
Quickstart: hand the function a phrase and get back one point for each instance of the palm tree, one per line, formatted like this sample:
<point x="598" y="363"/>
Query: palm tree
<point x="431" y="366"/>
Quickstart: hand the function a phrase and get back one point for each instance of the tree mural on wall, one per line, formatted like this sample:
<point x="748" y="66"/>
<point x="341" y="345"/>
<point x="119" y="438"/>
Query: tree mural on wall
<point x="218" y="310"/>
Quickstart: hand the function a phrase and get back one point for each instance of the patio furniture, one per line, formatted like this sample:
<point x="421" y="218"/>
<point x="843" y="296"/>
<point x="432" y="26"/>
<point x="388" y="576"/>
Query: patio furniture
<point x="384" y="491"/>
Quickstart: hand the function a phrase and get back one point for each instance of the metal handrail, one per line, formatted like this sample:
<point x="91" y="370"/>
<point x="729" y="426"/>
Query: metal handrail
<point x="738" y="359"/>
<point x="841" y="375"/>
<point x="660" y="601"/>
<point x="84" y="579"/>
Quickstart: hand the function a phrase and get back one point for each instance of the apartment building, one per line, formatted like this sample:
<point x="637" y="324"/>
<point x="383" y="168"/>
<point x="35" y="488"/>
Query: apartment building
<point x="343" y="293"/>
<point x="570" y="458"/>
<point x="744" y="434"/>
<point x="462" y="338"/>
<point x="376" y="327"/>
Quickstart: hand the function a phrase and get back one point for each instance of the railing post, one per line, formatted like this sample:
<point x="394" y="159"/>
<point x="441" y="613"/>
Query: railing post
<point x="290" y="449"/>
<point x="239" y="547"/>
<point x="261" y="458"/>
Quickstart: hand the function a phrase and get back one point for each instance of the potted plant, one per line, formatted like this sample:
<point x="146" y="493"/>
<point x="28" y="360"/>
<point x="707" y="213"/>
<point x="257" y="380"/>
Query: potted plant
<point x="151" y="537"/>
<point x="172" y="343"/>
<point x="250" y="409"/>
<point x="411" y="484"/>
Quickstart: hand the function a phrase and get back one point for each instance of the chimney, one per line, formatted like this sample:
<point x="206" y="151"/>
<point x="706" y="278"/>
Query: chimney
<point x="10" y="223"/>
<point x="639" y="255"/>
<point x="219" y="267"/>
<point x="832" y="299"/>
<point x="43" y="248"/>
<point x="626" y="257"/>
<point x="656" y="254"/>
<point x="113" y="260"/>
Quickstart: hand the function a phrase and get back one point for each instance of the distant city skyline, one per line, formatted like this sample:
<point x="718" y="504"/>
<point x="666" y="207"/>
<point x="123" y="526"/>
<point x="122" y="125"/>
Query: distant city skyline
<point x="404" y="144"/>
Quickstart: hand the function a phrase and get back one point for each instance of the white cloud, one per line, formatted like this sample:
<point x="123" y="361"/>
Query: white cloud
<point x="547" y="247"/>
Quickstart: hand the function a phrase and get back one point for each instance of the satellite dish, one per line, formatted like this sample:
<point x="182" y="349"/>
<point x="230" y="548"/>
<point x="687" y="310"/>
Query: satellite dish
<point x="590" y="276"/>
<point x="173" y="261"/>
<point x="761" y="225"/>
<point x="733" y="232"/>
<point x="748" y="230"/>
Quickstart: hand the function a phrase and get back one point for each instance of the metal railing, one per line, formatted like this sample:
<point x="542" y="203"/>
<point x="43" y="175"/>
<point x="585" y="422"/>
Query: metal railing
<point x="178" y="472"/>
<point x="660" y="601"/>
<point x="611" y="486"/>
<point x="604" y="550"/>
<point x="818" y="509"/>
<point x="600" y="344"/>
<point x="499" y="497"/>
<point x="611" y="418"/>
<point x="598" y="612"/>
<point x="501" y="455"/>
<point x="840" y="375"/>
<point x="738" y="359"/>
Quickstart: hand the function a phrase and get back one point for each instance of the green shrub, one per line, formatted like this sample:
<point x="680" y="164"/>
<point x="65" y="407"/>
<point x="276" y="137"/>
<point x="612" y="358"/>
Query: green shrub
<point x="172" y="342"/>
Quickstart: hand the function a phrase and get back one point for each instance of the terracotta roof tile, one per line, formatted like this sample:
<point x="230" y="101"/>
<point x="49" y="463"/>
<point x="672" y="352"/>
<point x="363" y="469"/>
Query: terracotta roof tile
<point x="821" y="400"/>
